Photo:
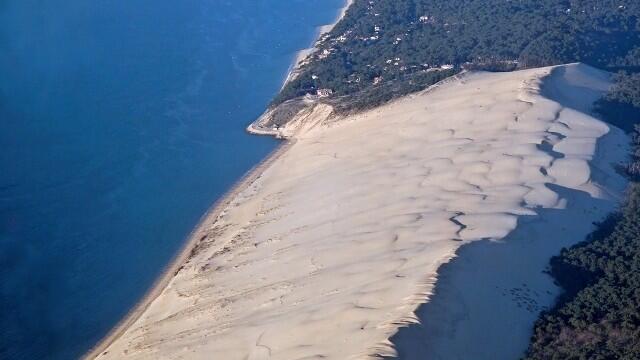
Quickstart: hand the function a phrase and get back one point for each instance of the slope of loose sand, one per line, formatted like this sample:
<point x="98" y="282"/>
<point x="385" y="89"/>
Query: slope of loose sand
<point x="339" y="240"/>
<point x="486" y="300"/>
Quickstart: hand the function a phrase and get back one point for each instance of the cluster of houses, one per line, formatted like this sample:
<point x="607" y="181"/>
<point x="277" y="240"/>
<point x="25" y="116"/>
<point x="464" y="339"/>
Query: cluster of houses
<point x="328" y="45"/>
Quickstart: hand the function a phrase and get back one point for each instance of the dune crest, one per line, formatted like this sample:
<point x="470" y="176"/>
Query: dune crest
<point x="339" y="240"/>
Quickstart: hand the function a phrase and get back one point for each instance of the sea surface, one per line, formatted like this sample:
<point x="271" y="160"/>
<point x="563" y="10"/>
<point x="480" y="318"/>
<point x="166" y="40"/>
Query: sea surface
<point x="121" y="122"/>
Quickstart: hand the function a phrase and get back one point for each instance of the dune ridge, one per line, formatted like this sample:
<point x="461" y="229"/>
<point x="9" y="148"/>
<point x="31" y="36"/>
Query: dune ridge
<point x="339" y="240"/>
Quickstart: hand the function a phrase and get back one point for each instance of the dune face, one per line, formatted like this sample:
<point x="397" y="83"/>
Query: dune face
<point x="328" y="252"/>
<point x="487" y="299"/>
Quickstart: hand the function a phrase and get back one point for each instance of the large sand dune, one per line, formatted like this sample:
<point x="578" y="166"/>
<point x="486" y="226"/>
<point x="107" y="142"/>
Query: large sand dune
<point x="333" y="248"/>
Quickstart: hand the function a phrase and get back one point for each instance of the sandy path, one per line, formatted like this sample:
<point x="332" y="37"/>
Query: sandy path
<point x="339" y="240"/>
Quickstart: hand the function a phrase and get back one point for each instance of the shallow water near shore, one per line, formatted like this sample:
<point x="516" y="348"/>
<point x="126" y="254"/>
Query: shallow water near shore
<point x="120" y="124"/>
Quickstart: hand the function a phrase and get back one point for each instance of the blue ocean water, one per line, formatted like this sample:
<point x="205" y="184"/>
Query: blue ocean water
<point x="121" y="122"/>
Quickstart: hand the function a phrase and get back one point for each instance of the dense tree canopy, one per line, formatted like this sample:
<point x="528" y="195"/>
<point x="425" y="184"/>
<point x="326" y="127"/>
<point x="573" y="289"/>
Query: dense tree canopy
<point x="626" y="89"/>
<point x="621" y="106"/>
<point x="598" y="317"/>
<point x="387" y="48"/>
<point x="388" y="45"/>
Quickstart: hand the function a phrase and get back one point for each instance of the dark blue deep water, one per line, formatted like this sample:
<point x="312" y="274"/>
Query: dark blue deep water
<point x="121" y="122"/>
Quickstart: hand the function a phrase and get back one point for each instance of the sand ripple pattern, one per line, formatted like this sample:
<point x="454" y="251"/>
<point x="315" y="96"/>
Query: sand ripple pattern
<point x="338" y="242"/>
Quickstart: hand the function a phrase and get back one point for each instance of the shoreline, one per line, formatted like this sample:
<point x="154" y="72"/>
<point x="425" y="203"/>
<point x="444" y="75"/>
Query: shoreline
<point x="257" y="127"/>
<point x="216" y="208"/>
<point x="318" y="248"/>
<point x="301" y="55"/>
<point x="186" y="253"/>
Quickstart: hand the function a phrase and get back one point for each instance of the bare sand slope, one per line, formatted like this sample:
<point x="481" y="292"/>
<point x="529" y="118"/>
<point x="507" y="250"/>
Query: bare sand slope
<point x="339" y="240"/>
<point x="487" y="299"/>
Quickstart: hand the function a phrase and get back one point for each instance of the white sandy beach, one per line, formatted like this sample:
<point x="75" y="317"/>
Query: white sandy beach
<point x="339" y="240"/>
<point x="303" y="54"/>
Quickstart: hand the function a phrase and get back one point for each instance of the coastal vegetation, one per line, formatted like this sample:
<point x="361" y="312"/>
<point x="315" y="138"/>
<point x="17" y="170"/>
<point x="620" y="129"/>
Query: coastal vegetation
<point x="598" y="316"/>
<point x="383" y="49"/>
<point x="622" y="103"/>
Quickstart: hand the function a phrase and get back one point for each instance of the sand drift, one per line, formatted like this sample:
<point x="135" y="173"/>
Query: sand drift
<point x="339" y="240"/>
